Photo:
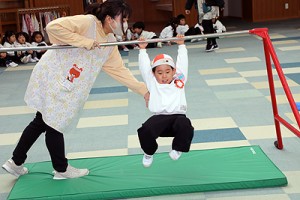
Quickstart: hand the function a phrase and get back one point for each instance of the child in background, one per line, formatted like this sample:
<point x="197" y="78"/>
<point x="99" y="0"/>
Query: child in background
<point x="25" y="56"/>
<point x="123" y="38"/>
<point x="130" y="35"/>
<point x="138" y="29"/>
<point x="4" y="61"/>
<point x="9" y="40"/>
<point x="184" y="29"/>
<point x="37" y="39"/>
<point x="170" y="30"/>
<point x="166" y="84"/>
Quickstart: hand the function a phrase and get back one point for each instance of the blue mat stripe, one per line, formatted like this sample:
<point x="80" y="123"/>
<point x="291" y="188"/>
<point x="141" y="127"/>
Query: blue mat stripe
<point x="218" y="135"/>
<point x="290" y="65"/>
<point x="294" y="77"/>
<point x="287" y="38"/>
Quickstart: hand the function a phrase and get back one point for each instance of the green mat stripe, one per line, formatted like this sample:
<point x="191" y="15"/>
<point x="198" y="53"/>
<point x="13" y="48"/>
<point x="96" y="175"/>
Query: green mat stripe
<point x="124" y="176"/>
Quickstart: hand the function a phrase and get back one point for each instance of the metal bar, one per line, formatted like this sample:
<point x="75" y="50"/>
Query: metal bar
<point x="126" y="42"/>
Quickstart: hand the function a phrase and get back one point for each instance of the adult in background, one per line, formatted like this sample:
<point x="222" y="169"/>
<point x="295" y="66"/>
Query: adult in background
<point x="61" y="81"/>
<point x="207" y="15"/>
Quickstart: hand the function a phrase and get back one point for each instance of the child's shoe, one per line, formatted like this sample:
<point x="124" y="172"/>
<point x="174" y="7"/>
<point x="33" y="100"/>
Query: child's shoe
<point x="26" y="59"/>
<point x="126" y="49"/>
<point x="32" y="60"/>
<point x="159" y="45"/>
<point x="209" y="48"/>
<point x="147" y="160"/>
<point x="36" y="59"/>
<point x="175" y="155"/>
<point x="136" y="47"/>
<point x="11" y="64"/>
<point x="14" y="169"/>
<point x="71" y="172"/>
<point x="215" y="46"/>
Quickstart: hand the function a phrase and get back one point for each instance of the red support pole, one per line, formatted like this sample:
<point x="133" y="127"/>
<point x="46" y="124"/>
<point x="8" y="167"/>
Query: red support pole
<point x="270" y="52"/>
<point x="273" y="95"/>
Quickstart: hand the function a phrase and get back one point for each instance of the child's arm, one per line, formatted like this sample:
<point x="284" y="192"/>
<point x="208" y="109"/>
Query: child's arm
<point x="145" y="63"/>
<point x="2" y="54"/>
<point x="144" y="44"/>
<point x="182" y="58"/>
<point x="29" y="45"/>
<point x="7" y="45"/>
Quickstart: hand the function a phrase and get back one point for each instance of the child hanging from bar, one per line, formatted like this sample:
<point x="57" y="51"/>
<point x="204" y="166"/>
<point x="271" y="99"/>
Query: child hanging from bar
<point x="166" y="84"/>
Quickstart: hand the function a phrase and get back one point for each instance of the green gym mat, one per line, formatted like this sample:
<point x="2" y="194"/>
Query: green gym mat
<point x="120" y="177"/>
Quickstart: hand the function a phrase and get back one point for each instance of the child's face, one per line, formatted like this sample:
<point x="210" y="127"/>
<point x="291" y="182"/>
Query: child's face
<point x="12" y="39"/>
<point x="137" y="30"/>
<point x="21" y="39"/>
<point x="182" y="22"/>
<point x="164" y="74"/>
<point x="38" y="38"/>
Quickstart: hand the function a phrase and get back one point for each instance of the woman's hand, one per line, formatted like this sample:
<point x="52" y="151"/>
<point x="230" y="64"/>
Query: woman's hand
<point x="96" y="45"/>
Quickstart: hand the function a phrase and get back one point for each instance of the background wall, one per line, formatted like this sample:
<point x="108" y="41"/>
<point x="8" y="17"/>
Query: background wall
<point x="233" y="8"/>
<point x="76" y="6"/>
<point x="265" y="10"/>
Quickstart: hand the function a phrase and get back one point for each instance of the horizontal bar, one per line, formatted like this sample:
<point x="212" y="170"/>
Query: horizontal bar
<point x="126" y="42"/>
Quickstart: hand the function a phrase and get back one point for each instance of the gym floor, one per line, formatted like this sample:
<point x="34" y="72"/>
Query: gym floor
<point x="228" y="102"/>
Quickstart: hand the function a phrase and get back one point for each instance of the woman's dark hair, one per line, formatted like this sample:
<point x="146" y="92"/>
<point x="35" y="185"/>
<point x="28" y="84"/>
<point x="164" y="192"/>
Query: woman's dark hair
<point x="7" y="35"/>
<point x="140" y="25"/>
<point x="23" y="34"/>
<point x="35" y="33"/>
<point x="110" y="8"/>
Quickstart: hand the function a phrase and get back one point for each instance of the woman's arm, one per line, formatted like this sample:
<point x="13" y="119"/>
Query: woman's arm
<point x="71" y="31"/>
<point x="115" y="68"/>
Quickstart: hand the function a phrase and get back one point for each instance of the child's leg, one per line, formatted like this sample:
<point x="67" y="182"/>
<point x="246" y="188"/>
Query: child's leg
<point x="183" y="133"/>
<point x="2" y="62"/>
<point x="39" y="55"/>
<point x="150" y="131"/>
<point x="35" y="56"/>
<point x="14" y="58"/>
<point x="152" y="45"/>
<point x="190" y="31"/>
